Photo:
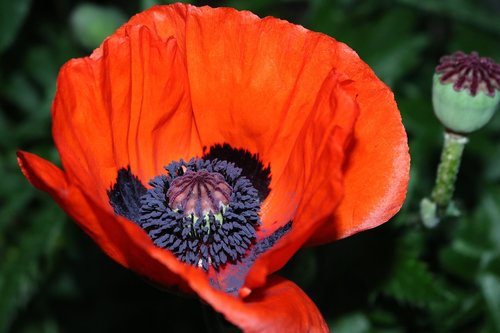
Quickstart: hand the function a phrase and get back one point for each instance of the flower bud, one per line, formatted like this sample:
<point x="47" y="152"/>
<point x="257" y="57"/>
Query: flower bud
<point x="465" y="91"/>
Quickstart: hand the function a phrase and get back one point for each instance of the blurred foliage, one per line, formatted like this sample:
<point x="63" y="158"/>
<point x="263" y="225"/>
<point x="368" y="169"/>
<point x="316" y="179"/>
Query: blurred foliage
<point x="92" y="23"/>
<point x="400" y="277"/>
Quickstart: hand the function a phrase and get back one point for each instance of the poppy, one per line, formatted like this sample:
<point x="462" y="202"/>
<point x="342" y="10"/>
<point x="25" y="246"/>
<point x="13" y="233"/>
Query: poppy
<point x="201" y="148"/>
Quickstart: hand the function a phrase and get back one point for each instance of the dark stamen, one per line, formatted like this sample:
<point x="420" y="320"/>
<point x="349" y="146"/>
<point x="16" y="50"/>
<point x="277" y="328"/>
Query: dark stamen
<point x="206" y="212"/>
<point x="251" y="166"/>
<point x="182" y="212"/>
<point x="231" y="284"/>
<point x="125" y="195"/>
<point x="268" y="242"/>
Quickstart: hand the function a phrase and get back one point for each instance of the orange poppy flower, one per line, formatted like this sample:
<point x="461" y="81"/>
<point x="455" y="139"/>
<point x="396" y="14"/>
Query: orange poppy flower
<point x="273" y="137"/>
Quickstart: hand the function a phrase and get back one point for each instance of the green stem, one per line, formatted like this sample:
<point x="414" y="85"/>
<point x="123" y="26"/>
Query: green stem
<point x="448" y="169"/>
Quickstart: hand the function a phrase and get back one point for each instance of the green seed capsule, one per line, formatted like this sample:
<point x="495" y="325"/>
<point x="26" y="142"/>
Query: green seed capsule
<point x="466" y="91"/>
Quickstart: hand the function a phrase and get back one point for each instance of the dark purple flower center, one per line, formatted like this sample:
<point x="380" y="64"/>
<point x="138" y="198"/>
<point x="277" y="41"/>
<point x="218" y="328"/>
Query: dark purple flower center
<point x="205" y="211"/>
<point x="199" y="193"/>
<point x="471" y="72"/>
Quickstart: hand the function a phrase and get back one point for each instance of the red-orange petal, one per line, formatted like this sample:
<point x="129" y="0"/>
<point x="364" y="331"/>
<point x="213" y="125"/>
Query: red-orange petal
<point x="265" y="85"/>
<point x="376" y="174"/>
<point x="260" y="76"/>
<point x="322" y="189"/>
<point x="241" y="55"/>
<point x="119" y="238"/>
<point x="49" y="178"/>
<point x="279" y="306"/>
<point x="254" y="84"/>
<point x="126" y="104"/>
<point x="264" y="77"/>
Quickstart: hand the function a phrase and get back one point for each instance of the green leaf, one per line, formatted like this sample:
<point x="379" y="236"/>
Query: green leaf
<point x="19" y="90"/>
<point x="471" y="12"/>
<point x="145" y="4"/>
<point x="476" y="243"/>
<point x="491" y="263"/>
<point x="382" y="317"/>
<point x="351" y="323"/>
<point x="12" y="15"/>
<point x="412" y="283"/>
<point x="465" y="310"/>
<point x="398" y="58"/>
<point x="492" y="172"/>
<point x="490" y="287"/>
<point x="391" y="58"/>
<point x="461" y="260"/>
<point x="40" y="66"/>
<point x="42" y="326"/>
<point x="491" y="204"/>
<point x="5" y="133"/>
<point x="255" y="6"/>
<point x="91" y="23"/>
<point x="25" y="263"/>
<point x="479" y="233"/>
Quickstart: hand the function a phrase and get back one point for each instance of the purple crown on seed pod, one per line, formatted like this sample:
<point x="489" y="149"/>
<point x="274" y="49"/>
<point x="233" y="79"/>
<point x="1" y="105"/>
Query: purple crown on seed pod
<point x="470" y="71"/>
<point x="464" y="91"/>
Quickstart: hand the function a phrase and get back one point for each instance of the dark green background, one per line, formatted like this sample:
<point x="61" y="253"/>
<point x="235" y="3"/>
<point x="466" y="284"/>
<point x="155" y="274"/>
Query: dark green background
<point x="400" y="277"/>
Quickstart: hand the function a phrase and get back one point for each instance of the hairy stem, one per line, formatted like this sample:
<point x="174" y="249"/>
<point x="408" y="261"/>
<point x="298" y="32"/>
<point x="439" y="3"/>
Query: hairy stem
<point x="448" y="169"/>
